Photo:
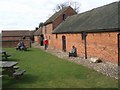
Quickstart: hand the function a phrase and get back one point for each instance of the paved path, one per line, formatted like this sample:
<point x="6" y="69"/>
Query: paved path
<point x="106" y="68"/>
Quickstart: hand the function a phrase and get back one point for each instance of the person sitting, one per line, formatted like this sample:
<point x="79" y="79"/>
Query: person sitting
<point x="73" y="52"/>
<point x="20" y="46"/>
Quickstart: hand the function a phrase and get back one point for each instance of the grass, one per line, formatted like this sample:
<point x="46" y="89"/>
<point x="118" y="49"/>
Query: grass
<point x="44" y="70"/>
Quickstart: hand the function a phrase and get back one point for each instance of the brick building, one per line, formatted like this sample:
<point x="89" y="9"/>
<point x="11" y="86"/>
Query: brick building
<point x="54" y="21"/>
<point x="94" y="33"/>
<point x="37" y="34"/>
<point x="11" y="38"/>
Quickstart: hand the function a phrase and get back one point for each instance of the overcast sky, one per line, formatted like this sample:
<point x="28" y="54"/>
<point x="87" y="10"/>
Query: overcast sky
<point x="27" y="14"/>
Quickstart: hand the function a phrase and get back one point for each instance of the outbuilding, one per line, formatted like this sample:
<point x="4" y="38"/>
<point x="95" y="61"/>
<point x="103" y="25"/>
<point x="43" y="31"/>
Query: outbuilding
<point x="94" y="33"/>
<point x="38" y="36"/>
<point x="10" y="38"/>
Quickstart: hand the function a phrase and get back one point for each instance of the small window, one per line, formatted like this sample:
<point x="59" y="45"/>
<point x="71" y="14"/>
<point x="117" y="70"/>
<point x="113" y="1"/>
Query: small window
<point x="23" y="37"/>
<point x="56" y="36"/>
<point x="83" y="35"/>
<point x="64" y="16"/>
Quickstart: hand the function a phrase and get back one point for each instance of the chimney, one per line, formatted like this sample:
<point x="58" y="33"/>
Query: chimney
<point x="36" y="28"/>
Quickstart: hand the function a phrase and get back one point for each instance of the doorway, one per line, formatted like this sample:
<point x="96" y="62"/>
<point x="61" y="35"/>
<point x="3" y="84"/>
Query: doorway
<point x="64" y="43"/>
<point x="41" y="39"/>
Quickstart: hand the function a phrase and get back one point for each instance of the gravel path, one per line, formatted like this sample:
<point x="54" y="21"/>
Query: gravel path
<point x="106" y="68"/>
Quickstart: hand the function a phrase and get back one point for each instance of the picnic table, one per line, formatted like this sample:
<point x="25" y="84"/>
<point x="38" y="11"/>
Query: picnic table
<point x="4" y="54"/>
<point x="8" y="69"/>
<point x="21" y="49"/>
<point x="7" y="64"/>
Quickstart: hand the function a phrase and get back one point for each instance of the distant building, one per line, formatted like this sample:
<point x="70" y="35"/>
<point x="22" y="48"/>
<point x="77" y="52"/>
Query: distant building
<point x="38" y="36"/>
<point x="11" y="38"/>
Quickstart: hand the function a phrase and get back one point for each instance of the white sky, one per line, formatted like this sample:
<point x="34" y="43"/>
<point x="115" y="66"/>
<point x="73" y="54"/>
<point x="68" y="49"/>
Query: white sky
<point x="27" y="14"/>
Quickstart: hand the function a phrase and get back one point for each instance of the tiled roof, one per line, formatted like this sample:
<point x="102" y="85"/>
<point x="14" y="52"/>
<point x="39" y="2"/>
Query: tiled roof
<point x="38" y="32"/>
<point x="16" y="33"/>
<point x="103" y="18"/>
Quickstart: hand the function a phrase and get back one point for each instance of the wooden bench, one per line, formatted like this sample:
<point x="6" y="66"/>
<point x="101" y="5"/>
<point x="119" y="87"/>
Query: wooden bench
<point x="6" y="56"/>
<point x="24" y="49"/>
<point x="18" y="73"/>
<point x="72" y="54"/>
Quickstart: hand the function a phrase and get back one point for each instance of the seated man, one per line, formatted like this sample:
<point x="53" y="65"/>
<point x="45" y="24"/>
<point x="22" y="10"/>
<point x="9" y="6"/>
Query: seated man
<point x="20" y="46"/>
<point x="73" y="52"/>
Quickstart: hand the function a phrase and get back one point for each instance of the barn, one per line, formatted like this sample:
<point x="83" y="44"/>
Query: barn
<point x="95" y="33"/>
<point x="38" y="37"/>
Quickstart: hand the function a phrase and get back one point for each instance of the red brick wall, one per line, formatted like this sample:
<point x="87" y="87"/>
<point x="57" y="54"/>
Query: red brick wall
<point x="13" y="41"/>
<point x="101" y="45"/>
<point x="55" y="43"/>
<point x="37" y="39"/>
<point x="49" y="28"/>
<point x="8" y="44"/>
<point x="43" y="30"/>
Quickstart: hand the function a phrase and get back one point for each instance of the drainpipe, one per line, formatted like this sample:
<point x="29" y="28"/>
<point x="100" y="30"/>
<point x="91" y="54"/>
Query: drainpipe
<point x="85" y="46"/>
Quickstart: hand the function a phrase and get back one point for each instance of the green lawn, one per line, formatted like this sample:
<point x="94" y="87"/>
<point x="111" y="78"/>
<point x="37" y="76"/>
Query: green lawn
<point x="44" y="70"/>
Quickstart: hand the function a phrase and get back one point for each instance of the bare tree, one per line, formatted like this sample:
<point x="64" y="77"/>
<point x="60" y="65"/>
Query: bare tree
<point x="74" y="5"/>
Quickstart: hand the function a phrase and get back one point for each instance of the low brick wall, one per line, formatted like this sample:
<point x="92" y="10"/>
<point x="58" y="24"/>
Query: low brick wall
<point x="13" y="41"/>
<point x="11" y="44"/>
<point x="37" y="39"/>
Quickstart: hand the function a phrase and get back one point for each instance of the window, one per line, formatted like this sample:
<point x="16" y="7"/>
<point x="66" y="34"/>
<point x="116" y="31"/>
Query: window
<point x="83" y="35"/>
<point x="64" y="16"/>
<point x="56" y="36"/>
<point x="23" y="37"/>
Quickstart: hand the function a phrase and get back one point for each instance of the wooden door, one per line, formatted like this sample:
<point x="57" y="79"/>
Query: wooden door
<point x="64" y="43"/>
<point x="41" y="39"/>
